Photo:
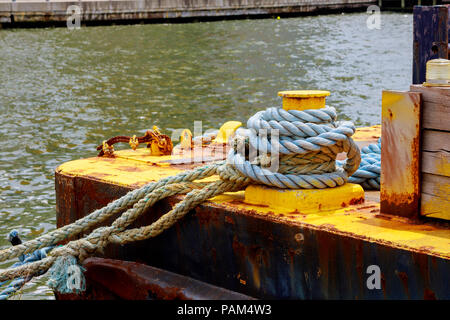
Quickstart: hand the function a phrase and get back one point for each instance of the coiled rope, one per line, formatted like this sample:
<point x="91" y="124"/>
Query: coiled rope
<point x="307" y="142"/>
<point x="368" y="173"/>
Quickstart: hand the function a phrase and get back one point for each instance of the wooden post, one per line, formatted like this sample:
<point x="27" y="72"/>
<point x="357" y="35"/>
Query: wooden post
<point x="431" y="34"/>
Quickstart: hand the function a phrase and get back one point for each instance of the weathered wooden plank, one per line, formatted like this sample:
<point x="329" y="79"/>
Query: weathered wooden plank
<point x="434" y="207"/>
<point x="435" y="107"/>
<point x="433" y="140"/>
<point x="436" y="152"/>
<point x="435" y="197"/>
<point x="438" y="95"/>
<point x="436" y="163"/>
<point x="400" y="147"/>
<point x="430" y="38"/>
<point x="437" y="116"/>
<point x="434" y="185"/>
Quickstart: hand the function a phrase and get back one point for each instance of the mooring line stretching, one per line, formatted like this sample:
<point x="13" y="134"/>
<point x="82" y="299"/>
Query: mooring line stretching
<point x="310" y="137"/>
<point x="101" y="215"/>
<point x="100" y="237"/>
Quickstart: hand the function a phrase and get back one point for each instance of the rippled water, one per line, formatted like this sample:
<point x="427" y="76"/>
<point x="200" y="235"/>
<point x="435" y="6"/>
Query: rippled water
<point x="62" y="92"/>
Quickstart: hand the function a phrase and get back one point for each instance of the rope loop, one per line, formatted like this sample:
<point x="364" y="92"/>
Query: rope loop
<point x="295" y="149"/>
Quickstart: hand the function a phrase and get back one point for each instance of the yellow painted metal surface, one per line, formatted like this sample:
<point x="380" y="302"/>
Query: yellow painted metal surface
<point x="367" y="133"/>
<point x="118" y="171"/>
<point x="400" y="115"/>
<point x="305" y="200"/>
<point x="303" y="99"/>
<point x="226" y="131"/>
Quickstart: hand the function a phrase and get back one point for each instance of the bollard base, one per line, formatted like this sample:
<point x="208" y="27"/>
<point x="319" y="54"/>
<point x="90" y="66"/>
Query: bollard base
<point x="305" y="200"/>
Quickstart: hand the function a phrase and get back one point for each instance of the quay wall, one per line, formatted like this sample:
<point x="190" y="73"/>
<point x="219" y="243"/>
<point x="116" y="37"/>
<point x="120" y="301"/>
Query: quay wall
<point x="102" y="11"/>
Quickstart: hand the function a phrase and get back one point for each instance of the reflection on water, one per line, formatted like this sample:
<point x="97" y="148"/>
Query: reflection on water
<point x="62" y="92"/>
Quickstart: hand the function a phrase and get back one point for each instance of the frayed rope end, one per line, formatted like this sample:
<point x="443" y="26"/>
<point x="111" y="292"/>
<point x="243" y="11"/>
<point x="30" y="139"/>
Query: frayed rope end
<point x="66" y="276"/>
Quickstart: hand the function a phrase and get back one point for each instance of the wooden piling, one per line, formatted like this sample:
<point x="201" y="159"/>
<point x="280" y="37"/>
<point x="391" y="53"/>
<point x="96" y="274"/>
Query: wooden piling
<point x="431" y="35"/>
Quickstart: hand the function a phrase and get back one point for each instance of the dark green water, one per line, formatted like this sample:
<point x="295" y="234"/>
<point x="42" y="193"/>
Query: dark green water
<point x="62" y="92"/>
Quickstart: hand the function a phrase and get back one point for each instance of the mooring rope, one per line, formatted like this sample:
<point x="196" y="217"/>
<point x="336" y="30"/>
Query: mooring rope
<point x="18" y="283"/>
<point x="307" y="141"/>
<point x="368" y="173"/>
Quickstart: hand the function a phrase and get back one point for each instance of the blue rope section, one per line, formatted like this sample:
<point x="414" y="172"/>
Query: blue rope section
<point x="18" y="283"/>
<point x="368" y="173"/>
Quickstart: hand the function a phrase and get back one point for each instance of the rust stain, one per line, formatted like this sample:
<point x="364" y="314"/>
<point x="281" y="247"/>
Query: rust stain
<point x="327" y="251"/>
<point x="359" y="260"/>
<point x="355" y="201"/>
<point x="384" y="217"/>
<point x="404" y="279"/>
<point x="429" y="295"/>
<point x="328" y="226"/>
<point x="383" y="285"/>
<point x="421" y="261"/>
<point x="238" y="247"/>
<point x="206" y="217"/>
<point x="166" y="293"/>
<point x="229" y="220"/>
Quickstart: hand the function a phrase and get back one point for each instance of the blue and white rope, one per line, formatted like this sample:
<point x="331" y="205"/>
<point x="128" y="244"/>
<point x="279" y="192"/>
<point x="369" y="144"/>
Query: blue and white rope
<point x="300" y="135"/>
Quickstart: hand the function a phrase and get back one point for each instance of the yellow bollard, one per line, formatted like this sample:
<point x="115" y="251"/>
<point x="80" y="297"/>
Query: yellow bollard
<point x="303" y="99"/>
<point x="226" y="131"/>
<point x="305" y="200"/>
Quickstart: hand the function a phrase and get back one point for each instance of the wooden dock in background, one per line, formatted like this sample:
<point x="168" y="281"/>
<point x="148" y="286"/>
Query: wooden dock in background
<point x="22" y="12"/>
<point x="102" y="11"/>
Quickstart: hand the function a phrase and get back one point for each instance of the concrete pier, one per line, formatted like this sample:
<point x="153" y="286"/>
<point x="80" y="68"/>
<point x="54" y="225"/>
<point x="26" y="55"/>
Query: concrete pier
<point x="102" y="11"/>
